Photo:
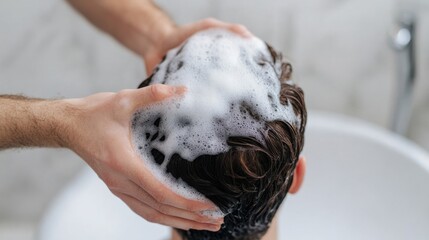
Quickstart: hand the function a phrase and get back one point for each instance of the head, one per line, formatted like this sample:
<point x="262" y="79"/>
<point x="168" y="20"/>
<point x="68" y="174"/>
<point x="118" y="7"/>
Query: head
<point x="250" y="180"/>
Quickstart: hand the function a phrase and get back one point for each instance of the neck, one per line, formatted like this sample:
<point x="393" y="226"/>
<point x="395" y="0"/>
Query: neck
<point x="270" y="235"/>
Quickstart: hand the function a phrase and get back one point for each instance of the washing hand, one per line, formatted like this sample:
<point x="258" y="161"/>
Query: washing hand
<point x="97" y="128"/>
<point x="173" y="36"/>
<point x="145" y="29"/>
<point x="99" y="132"/>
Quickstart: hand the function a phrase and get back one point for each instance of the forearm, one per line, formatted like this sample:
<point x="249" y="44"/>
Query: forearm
<point x="137" y="24"/>
<point x="26" y="122"/>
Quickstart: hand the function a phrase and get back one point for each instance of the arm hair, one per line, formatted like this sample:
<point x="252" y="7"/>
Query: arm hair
<point x="32" y="122"/>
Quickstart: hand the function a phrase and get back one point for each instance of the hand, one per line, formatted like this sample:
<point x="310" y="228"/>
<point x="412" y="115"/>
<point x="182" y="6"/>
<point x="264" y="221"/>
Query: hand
<point x="145" y="28"/>
<point x="98" y="130"/>
<point x="174" y="36"/>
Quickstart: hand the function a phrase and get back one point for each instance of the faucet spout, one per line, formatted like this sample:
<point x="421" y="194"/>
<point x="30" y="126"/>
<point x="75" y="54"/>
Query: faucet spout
<point x="404" y="45"/>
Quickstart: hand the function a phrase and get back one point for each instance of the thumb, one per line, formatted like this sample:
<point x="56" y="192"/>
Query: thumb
<point x="154" y="93"/>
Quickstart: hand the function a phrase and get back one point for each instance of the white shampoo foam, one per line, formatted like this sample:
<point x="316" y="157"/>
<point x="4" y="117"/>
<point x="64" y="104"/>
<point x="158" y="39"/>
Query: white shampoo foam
<point x="233" y="90"/>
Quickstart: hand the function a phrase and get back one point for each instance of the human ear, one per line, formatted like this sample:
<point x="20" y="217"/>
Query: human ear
<point x="298" y="176"/>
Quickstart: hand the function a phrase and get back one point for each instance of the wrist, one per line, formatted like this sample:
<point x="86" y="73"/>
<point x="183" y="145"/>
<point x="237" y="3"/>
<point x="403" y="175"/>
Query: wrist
<point x="54" y="117"/>
<point x="82" y="120"/>
<point x="153" y="33"/>
<point x="139" y="25"/>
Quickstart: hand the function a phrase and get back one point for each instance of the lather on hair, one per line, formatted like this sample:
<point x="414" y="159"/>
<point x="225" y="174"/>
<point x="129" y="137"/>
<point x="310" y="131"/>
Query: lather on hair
<point x="251" y="179"/>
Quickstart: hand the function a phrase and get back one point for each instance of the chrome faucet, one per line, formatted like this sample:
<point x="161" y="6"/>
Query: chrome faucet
<point x="403" y="44"/>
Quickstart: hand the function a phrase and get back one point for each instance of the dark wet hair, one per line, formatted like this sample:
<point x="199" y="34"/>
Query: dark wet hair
<point x="250" y="181"/>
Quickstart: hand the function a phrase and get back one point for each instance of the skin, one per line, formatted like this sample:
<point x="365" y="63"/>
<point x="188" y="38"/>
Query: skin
<point x="143" y="27"/>
<point x="97" y="127"/>
<point x="272" y="233"/>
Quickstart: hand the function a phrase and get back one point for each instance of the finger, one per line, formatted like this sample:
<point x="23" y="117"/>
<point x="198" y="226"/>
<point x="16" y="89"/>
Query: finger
<point x="138" y="173"/>
<point x="151" y="59"/>
<point x="118" y="184"/>
<point x="164" y="195"/>
<point x="189" y="29"/>
<point x="150" y="64"/>
<point x="140" y="194"/>
<point x="240" y="29"/>
<point x="141" y="176"/>
<point x="154" y="93"/>
<point x="154" y="216"/>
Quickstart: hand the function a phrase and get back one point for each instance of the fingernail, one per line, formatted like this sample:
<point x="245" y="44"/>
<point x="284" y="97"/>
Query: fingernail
<point x="214" y="228"/>
<point x="179" y="90"/>
<point x="247" y="33"/>
<point x="216" y="221"/>
<point x="213" y="221"/>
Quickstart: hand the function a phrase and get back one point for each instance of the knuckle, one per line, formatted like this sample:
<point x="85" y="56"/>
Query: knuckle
<point x="161" y="198"/>
<point x="157" y="91"/>
<point x="141" y="180"/>
<point x="192" y="208"/>
<point x="115" y="192"/>
<point x="154" y="90"/>
<point x="143" y="197"/>
<point x="114" y="164"/>
<point x="209" y="22"/>
<point x="109" y="181"/>
<point x="239" y="26"/>
<point x="153" y="217"/>
<point x="163" y="208"/>
<point x="199" y="218"/>
<point x="121" y="95"/>
<point x="115" y="188"/>
<point x="113" y="183"/>
<point x="123" y="99"/>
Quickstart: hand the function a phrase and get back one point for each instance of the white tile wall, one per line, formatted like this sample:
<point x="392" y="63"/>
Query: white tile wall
<point x="17" y="231"/>
<point x="339" y="50"/>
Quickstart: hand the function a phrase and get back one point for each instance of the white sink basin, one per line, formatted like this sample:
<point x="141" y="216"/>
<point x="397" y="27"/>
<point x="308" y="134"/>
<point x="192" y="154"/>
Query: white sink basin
<point x="362" y="183"/>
